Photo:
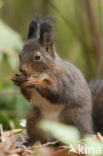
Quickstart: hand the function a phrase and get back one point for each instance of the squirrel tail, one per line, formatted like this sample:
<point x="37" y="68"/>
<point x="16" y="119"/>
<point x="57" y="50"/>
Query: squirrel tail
<point x="97" y="97"/>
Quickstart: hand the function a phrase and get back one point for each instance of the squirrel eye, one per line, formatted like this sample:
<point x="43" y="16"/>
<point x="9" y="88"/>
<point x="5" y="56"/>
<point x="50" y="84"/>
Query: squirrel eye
<point x="37" y="56"/>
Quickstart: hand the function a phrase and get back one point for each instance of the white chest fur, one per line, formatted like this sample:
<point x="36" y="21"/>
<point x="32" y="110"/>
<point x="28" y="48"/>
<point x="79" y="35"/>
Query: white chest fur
<point x="49" y="110"/>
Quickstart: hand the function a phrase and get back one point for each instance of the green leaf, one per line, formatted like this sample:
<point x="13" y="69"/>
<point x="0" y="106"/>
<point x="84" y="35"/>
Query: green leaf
<point x="9" y="39"/>
<point x="93" y="147"/>
<point x="67" y="134"/>
<point x="13" y="62"/>
<point x="10" y="43"/>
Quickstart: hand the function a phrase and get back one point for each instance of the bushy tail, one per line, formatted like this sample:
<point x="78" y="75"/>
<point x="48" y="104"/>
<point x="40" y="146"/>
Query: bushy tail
<point x="97" y="96"/>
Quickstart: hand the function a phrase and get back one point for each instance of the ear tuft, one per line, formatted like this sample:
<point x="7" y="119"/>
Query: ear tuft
<point x="46" y="31"/>
<point x="34" y="28"/>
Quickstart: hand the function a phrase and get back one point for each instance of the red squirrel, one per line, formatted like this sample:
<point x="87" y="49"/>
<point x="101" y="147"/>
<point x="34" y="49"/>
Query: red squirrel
<point x="96" y="87"/>
<point x="56" y="89"/>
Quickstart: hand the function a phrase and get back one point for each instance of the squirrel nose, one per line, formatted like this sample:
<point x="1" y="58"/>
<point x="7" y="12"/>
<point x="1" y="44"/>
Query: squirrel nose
<point x="22" y="70"/>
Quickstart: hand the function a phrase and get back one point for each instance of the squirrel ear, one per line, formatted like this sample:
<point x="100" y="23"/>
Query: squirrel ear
<point x="34" y="28"/>
<point x="47" y="41"/>
<point x="46" y="33"/>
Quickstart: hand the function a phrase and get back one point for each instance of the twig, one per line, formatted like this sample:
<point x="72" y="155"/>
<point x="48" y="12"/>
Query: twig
<point x="3" y="50"/>
<point x="6" y="92"/>
<point x="94" y="29"/>
<point x="1" y="134"/>
<point x="73" y="30"/>
<point x="46" y="144"/>
<point x="14" y="113"/>
<point x="69" y="24"/>
<point x="81" y="23"/>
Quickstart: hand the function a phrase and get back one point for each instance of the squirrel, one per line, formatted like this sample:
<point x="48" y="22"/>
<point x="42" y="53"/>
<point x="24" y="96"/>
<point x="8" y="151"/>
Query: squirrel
<point x="96" y="87"/>
<point x="56" y="89"/>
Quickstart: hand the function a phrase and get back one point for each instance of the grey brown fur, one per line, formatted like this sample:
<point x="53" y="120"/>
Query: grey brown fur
<point x="56" y="89"/>
<point x="97" y="96"/>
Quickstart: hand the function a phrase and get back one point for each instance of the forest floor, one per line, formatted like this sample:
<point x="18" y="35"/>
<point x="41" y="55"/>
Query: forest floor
<point x="14" y="143"/>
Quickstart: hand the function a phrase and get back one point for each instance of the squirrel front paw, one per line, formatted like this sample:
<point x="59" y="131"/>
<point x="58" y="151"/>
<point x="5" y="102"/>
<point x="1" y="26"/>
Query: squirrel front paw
<point x="42" y="86"/>
<point x="35" y="83"/>
<point x="18" y="79"/>
<point x="32" y="83"/>
<point x="28" y="83"/>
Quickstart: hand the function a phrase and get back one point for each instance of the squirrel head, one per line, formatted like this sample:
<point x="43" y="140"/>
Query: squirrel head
<point x="38" y="53"/>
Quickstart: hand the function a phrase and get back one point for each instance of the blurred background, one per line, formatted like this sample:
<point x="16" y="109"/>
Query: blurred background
<point x="78" y="38"/>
